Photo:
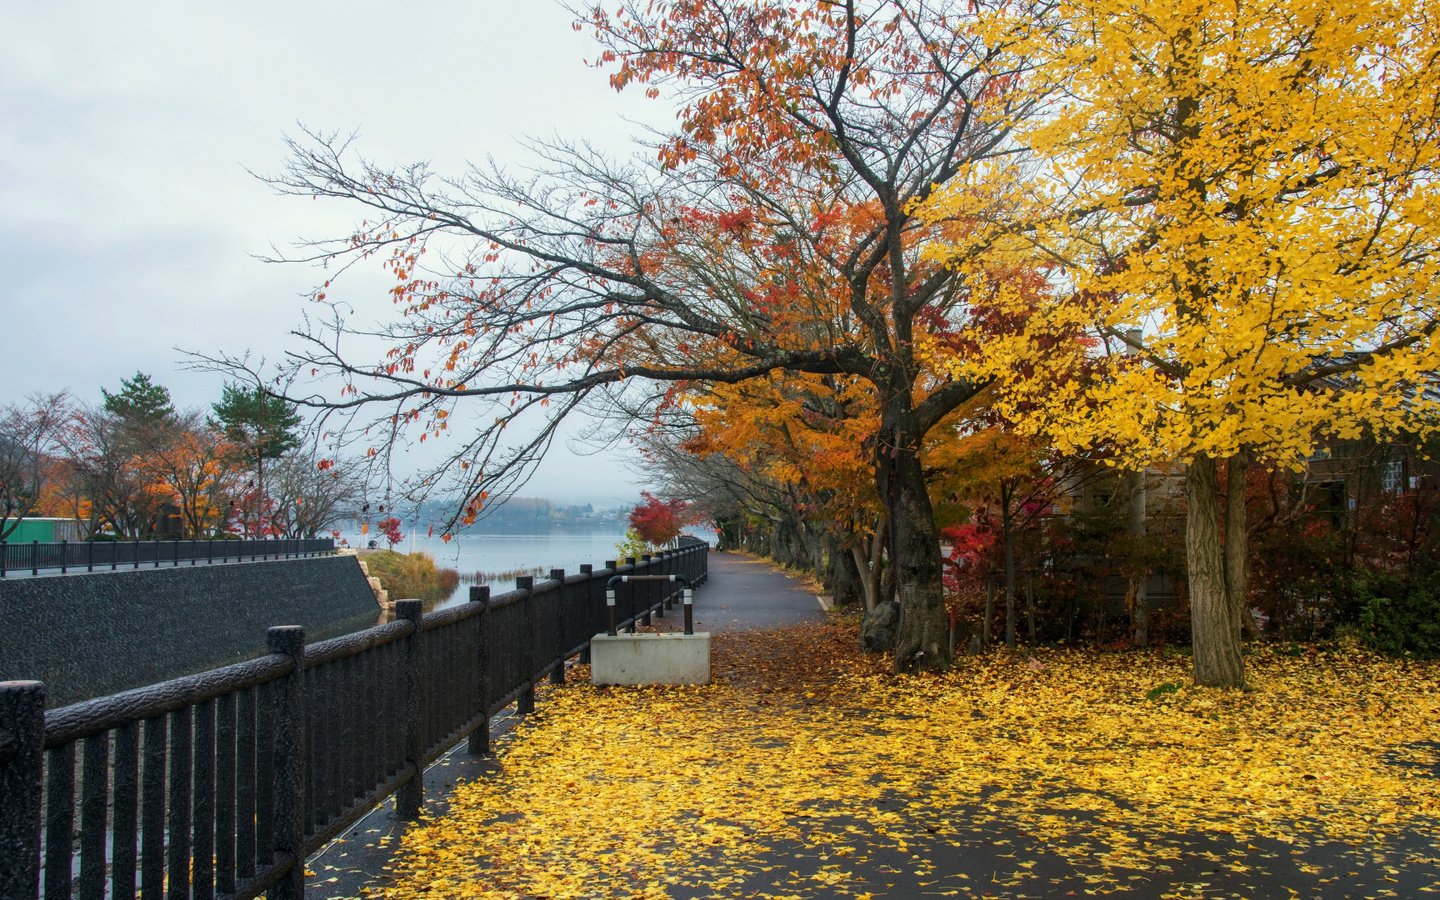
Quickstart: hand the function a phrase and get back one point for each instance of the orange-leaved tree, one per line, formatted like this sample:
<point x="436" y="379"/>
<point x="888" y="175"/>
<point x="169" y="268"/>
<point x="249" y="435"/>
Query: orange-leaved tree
<point x="811" y="437"/>
<point x="774" y="230"/>
<point x="192" y="466"/>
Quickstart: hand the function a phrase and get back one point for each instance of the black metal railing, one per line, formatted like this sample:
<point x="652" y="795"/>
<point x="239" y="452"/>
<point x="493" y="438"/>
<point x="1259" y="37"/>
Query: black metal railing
<point x="221" y="784"/>
<point x="35" y="557"/>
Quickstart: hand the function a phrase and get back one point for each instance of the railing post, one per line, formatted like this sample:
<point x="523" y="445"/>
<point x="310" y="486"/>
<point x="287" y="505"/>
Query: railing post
<point x="632" y="594"/>
<point x="588" y="570"/>
<point x="89" y="556"/>
<point x="289" y="762"/>
<point x="610" y="611"/>
<point x="480" y="737"/>
<point x="411" y="795"/>
<point x="64" y="555"/>
<point x="525" y="703"/>
<point x="646" y="593"/>
<point x="34" y="557"/>
<point x="4" y="557"/>
<point x="562" y="618"/>
<point x="657" y="567"/>
<point x="22" y="765"/>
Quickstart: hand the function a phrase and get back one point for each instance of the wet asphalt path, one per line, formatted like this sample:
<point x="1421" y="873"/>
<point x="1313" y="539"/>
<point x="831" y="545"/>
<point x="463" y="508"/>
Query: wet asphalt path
<point x="747" y="594"/>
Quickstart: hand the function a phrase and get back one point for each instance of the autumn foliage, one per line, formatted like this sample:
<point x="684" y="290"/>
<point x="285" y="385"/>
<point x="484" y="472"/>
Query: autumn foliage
<point x="656" y="521"/>
<point x="389" y="528"/>
<point x="901" y="266"/>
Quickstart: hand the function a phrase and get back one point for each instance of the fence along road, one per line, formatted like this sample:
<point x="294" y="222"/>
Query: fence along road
<point x="221" y="784"/>
<point x="37" y="557"/>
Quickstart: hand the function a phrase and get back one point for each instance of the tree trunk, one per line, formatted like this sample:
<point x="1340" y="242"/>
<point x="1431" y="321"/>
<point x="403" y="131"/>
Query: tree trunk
<point x="817" y="553"/>
<point x="847" y="585"/>
<point x="867" y="562"/>
<point x="922" y="641"/>
<point x="1215" y="633"/>
<point x="259" y="493"/>
<point x="1135" y="599"/>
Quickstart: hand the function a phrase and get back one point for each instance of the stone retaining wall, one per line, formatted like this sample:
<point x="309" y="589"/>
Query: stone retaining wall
<point x="89" y="635"/>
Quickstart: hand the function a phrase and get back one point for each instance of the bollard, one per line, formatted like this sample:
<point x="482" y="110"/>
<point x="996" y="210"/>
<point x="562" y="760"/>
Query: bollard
<point x="689" y="611"/>
<point x="610" y="608"/>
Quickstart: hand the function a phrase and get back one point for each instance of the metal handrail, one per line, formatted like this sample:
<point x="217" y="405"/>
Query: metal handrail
<point x="689" y="596"/>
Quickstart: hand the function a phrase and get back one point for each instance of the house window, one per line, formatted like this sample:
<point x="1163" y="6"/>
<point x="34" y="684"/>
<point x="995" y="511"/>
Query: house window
<point x="1393" y="476"/>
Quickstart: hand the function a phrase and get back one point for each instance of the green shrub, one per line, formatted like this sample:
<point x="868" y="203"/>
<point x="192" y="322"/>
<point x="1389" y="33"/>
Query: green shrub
<point x="1400" y="615"/>
<point x="633" y="545"/>
<point x="411" y="575"/>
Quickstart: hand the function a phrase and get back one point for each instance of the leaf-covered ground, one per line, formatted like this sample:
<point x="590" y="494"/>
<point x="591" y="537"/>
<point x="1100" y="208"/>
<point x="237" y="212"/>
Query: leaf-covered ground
<point x="805" y="772"/>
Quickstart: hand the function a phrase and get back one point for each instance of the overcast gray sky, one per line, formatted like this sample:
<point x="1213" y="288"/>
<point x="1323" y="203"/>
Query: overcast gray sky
<point x="129" y="217"/>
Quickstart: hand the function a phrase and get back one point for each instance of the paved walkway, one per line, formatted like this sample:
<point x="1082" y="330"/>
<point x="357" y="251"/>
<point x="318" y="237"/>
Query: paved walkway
<point x="747" y="594"/>
<point x="742" y="594"/>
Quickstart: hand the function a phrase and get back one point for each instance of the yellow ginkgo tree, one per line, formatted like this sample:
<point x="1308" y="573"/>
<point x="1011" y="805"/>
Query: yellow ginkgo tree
<point x="1243" y="196"/>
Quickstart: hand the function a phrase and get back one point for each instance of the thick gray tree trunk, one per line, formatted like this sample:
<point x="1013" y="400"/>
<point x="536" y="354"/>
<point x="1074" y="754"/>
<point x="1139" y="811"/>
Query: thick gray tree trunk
<point x="1214" y="625"/>
<point x="923" y="638"/>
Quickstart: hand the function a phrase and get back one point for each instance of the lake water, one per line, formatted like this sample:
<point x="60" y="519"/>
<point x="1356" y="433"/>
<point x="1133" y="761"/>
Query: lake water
<point x="494" y="553"/>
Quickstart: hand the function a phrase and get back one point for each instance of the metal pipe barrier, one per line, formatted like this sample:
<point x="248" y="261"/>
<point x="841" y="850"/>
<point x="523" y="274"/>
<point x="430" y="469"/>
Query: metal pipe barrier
<point x="689" y="597"/>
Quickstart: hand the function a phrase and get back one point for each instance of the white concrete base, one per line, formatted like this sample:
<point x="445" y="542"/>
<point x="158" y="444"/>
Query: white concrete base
<point x="650" y="659"/>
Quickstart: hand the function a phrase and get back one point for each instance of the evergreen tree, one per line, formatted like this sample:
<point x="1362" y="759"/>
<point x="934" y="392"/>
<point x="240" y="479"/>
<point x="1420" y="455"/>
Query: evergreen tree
<point x="140" y="402"/>
<point x="262" y="427"/>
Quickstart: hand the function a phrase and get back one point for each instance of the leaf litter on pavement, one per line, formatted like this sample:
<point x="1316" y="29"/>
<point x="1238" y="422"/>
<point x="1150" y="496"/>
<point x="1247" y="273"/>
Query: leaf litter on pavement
<point x="805" y="771"/>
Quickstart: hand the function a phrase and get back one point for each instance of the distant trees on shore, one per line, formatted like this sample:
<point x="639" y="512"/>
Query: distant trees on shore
<point x="133" y="467"/>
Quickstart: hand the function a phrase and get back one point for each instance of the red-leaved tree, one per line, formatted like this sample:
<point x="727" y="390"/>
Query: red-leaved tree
<point x="658" y="521"/>
<point x="390" y="530"/>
